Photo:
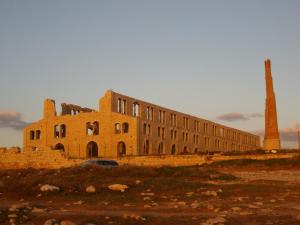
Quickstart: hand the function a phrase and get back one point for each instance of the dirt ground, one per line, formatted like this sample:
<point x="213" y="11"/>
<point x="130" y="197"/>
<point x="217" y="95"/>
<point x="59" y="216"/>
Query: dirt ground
<point x="236" y="192"/>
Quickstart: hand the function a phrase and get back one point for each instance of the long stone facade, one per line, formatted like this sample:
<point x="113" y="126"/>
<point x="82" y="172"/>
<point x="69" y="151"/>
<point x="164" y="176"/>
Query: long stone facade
<point x="125" y="126"/>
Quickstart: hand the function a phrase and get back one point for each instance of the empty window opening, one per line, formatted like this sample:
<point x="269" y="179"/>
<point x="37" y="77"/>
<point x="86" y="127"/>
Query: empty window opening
<point x="159" y="116"/>
<point x="31" y="135"/>
<point x="160" y="148"/>
<point x="92" y="149"/>
<point x="158" y="131"/>
<point x="92" y="128"/>
<point x="56" y="131"/>
<point x="125" y="127"/>
<point x="163" y="133"/>
<point x="145" y="128"/>
<point x="124" y="105"/>
<point x="63" y="130"/>
<point x="121" y="149"/>
<point x="146" y="147"/>
<point x="149" y="129"/>
<point x="135" y="109"/>
<point x="173" y="150"/>
<point x="196" y="150"/>
<point x="38" y="134"/>
<point x="119" y="105"/>
<point x="59" y="146"/>
<point x="185" y="151"/>
<point x="117" y="128"/>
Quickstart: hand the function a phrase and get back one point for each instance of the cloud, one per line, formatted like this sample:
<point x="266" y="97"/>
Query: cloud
<point x="234" y="116"/>
<point x="9" y="119"/>
<point x="290" y="134"/>
<point x="286" y="134"/>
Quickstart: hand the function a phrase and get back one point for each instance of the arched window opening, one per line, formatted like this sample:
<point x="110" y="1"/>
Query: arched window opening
<point x="146" y="147"/>
<point x="119" y="105"/>
<point x="59" y="146"/>
<point x="63" y="130"/>
<point x="89" y="129"/>
<point x="196" y="150"/>
<point x="121" y="148"/>
<point x="117" y="128"/>
<point x="31" y="135"/>
<point x="173" y="150"/>
<point x="56" y="131"/>
<point x="135" y="109"/>
<point x="96" y="127"/>
<point x="185" y="150"/>
<point x="92" y="128"/>
<point x="92" y="149"/>
<point x="125" y="127"/>
<point x="160" y="148"/>
<point x="38" y="134"/>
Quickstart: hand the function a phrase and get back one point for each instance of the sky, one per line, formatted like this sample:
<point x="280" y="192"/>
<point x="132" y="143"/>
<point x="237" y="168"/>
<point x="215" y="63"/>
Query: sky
<point x="204" y="58"/>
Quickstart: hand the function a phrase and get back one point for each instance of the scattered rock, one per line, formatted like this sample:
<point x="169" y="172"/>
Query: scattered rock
<point x="38" y="210"/>
<point x="181" y="203"/>
<point x="189" y="194"/>
<point x="147" y="206"/>
<point x="210" y="193"/>
<point x="80" y="202"/>
<point x="213" y="221"/>
<point x="67" y="222"/>
<point x="195" y="205"/>
<point x="210" y="207"/>
<point x="236" y="208"/>
<point x="118" y="187"/>
<point x="147" y="194"/>
<point x="147" y="198"/>
<point x="49" y="188"/>
<point x="51" y="222"/>
<point x="90" y="189"/>
<point x="137" y="182"/>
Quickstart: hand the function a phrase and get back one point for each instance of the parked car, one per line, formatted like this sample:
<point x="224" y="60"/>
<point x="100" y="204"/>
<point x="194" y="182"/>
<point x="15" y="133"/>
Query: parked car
<point x="100" y="162"/>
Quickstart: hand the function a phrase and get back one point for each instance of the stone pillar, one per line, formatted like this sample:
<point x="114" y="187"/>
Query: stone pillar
<point x="271" y="139"/>
<point x="49" y="108"/>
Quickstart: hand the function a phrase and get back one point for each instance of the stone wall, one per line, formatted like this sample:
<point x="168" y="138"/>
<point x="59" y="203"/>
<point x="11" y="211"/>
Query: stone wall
<point x="38" y="159"/>
<point x="52" y="159"/>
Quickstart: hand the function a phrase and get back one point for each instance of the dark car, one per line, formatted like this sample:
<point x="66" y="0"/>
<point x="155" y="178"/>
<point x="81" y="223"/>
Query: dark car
<point x="100" y="162"/>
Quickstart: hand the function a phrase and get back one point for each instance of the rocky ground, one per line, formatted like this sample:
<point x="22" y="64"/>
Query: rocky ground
<point x="231" y="192"/>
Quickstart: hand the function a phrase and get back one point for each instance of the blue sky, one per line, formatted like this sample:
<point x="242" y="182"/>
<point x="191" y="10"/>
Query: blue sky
<point x="200" y="57"/>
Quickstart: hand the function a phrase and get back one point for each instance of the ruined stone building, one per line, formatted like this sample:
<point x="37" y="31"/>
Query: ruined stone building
<point x="125" y="126"/>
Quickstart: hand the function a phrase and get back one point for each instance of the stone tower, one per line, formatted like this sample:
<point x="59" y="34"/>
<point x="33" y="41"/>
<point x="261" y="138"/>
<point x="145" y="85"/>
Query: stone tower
<point x="271" y="140"/>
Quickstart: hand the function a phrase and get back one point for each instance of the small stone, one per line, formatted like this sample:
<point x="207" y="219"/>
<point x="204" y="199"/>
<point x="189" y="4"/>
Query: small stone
<point x="37" y="210"/>
<point x="236" y="208"/>
<point x="210" y="207"/>
<point x="51" y="222"/>
<point x="146" y="198"/>
<point x="189" y="194"/>
<point x="147" y="194"/>
<point x="90" y="189"/>
<point x="147" y="206"/>
<point x="137" y="182"/>
<point x="12" y="216"/>
<point x="210" y="193"/>
<point x="181" y="203"/>
<point x="80" y="202"/>
<point x="67" y="222"/>
<point x="49" y="188"/>
<point x="195" y="205"/>
<point x="118" y="187"/>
